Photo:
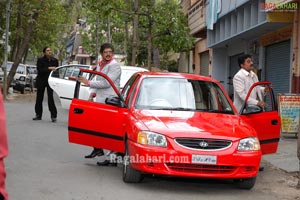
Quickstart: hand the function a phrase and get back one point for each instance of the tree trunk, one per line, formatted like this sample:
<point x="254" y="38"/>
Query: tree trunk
<point x="135" y="33"/>
<point x="22" y="48"/>
<point x="17" y="42"/>
<point x="182" y="62"/>
<point x="156" y="57"/>
<point x="149" y="37"/>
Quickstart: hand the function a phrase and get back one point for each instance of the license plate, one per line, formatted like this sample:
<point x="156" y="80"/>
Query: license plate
<point x="204" y="159"/>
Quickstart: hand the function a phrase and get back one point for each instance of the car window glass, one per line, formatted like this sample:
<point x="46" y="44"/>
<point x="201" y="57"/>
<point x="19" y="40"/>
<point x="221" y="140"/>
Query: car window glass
<point x="21" y="69"/>
<point x="31" y="70"/>
<point x="8" y="66"/>
<point x="100" y="94"/>
<point x="258" y="93"/>
<point x="69" y="71"/>
<point x="127" y="87"/>
<point x="179" y="93"/>
<point x="59" y="73"/>
<point x="132" y="93"/>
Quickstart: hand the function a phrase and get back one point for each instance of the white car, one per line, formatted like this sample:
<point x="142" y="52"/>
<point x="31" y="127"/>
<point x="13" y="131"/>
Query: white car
<point x="62" y="81"/>
<point x="25" y="76"/>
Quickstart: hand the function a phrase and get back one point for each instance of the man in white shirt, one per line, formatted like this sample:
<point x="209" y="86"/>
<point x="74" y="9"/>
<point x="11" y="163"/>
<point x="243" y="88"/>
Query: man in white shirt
<point x="242" y="82"/>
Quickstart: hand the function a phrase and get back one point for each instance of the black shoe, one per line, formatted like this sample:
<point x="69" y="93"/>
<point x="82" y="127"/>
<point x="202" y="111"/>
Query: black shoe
<point x="107" y="163"/>
<point x="53" y="119"/>
<point x="261" y="169"/>
<point x="95" y="152"/>
<point x="37" y="118"/>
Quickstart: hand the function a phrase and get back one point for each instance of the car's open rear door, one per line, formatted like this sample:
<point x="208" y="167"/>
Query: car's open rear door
<point x="265" y="121"/>
<point x="96" y="124"/>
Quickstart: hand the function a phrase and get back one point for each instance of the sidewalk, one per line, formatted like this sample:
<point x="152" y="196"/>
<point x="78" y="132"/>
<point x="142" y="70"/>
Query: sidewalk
<point x="286" y="156"/>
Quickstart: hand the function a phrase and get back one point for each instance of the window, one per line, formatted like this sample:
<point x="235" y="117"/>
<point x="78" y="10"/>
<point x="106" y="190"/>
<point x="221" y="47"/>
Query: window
<point x="180" y="93"/>
<point x="59" y="73"/>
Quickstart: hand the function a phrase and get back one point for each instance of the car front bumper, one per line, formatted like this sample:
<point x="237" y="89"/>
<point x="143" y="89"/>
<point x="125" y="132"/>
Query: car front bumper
<point x="168" y="161"/>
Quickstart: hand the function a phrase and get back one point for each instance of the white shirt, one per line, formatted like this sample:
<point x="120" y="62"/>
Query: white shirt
<point x="242" y="81"/>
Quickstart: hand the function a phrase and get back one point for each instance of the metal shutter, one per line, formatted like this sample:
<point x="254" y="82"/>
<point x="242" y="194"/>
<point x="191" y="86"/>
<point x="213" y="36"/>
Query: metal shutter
<point x="278" y="66"/>
<point x="204" y="63"/>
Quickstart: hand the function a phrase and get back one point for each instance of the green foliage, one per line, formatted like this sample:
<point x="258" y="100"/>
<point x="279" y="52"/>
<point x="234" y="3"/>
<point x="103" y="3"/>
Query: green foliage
<point x="57" y="18"/>
<point x="54" y="22"/>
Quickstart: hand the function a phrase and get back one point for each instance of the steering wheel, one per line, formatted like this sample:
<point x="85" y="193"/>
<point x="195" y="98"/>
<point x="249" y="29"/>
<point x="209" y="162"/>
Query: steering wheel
<point x="160" y="102"/>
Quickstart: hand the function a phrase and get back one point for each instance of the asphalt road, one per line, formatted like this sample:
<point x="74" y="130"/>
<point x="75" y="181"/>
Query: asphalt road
<point x="43" y="165"/>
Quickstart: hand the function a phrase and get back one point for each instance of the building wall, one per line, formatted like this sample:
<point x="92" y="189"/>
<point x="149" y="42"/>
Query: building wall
<point x="296" y="53"/>
<point x="219" y="72"/>
<point x="185" y="5"/>
<point x="200" y="47"/>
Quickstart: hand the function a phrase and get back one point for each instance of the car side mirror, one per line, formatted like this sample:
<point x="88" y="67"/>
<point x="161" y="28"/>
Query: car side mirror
<point x="251" y="109"/>
<point x="114" y="101"/>
<point x="22" y="78"/>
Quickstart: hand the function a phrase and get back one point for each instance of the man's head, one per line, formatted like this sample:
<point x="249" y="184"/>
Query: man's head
<point x="106" y="51"/>
<point x="245" y="62"/>
<point x="47" y="51"/>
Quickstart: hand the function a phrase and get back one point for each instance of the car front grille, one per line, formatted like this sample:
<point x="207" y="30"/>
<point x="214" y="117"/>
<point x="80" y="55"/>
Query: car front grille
<point x="203" y="143"/>
<point x="200" y="168"/>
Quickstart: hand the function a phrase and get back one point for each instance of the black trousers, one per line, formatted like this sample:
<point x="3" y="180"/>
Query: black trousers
<point x="40" y="97"/>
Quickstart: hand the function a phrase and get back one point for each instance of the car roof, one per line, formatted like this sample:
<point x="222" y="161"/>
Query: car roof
<point x="177" y="75"/>
<point x="134" y="68"/>
<point x="81" y="65"/>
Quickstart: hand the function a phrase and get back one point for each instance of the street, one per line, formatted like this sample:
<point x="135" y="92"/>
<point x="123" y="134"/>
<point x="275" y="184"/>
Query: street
<point x="42" y="164"/>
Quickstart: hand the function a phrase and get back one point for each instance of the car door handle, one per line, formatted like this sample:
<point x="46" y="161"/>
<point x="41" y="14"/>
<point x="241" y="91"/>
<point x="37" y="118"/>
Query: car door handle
<point x="78" y="110"/>
<point x="274" y="122"/>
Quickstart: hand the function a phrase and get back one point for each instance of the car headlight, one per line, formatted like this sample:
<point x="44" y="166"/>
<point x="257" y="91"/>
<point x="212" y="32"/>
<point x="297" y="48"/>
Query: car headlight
<point x="249" y="144"/>
<point x="151" y="138"/>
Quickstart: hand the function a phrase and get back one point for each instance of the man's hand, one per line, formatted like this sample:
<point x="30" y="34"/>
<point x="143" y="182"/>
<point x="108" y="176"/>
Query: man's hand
<point x="52" y="68"/>
<point x="83" y="80"/>
<point x="261" y="104"/>
<point x="267" y="88"/>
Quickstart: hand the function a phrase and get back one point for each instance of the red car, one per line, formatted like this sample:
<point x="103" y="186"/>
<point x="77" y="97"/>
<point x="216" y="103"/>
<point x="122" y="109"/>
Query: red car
<point x="178" y="125"/>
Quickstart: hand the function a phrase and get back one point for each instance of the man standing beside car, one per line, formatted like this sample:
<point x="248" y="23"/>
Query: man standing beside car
<point x="242" y="82"/>
<point x="100" y="88"/>
<point x="45" y="65"/>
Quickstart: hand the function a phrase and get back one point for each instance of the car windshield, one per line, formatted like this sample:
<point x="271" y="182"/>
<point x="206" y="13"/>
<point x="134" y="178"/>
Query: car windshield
<point x="8" y="66"/>
<point x="167" y="93"/>
<point x="31" y="70"/>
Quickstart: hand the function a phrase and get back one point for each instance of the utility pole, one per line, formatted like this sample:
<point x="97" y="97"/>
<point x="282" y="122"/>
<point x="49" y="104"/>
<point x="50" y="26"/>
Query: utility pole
<point x="6" y="49"/>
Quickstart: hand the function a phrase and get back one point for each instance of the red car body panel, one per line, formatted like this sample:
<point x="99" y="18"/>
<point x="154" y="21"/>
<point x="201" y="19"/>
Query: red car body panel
<point x="109" y="127"/>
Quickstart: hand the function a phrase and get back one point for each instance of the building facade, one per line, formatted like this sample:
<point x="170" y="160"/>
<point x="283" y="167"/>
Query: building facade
<point x="269" y="30"/>
<point x="199" y="58"/>
<point x="266" y="29"/>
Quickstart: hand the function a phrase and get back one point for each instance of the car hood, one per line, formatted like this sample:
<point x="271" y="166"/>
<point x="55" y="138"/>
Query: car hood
<point x="195" y="124"/>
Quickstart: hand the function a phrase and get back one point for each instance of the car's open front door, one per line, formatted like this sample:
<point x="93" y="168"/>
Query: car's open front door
<point x="96" y="124"/>
<point x="265" y="121"/>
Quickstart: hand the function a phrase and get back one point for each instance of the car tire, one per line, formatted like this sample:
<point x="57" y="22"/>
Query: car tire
<point x="130" y="175"/>
<point x="245" y="183"/>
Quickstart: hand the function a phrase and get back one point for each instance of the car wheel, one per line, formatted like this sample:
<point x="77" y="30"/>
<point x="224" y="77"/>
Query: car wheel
<point x="245" y="183"/>
<point x="130" y="175"/>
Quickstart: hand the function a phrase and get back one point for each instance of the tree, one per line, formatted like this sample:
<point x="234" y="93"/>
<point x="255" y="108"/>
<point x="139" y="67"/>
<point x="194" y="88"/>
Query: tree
<point x="36" y="24"/>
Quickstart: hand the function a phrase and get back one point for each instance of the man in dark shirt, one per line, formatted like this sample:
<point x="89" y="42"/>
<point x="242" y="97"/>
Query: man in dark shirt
<point x="45" y="65"/>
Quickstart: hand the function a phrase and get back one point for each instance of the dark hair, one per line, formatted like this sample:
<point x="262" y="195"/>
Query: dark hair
<point x="242" y="58"/>
<point x="106" y="46"/>
<point x="44" y="49"/>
